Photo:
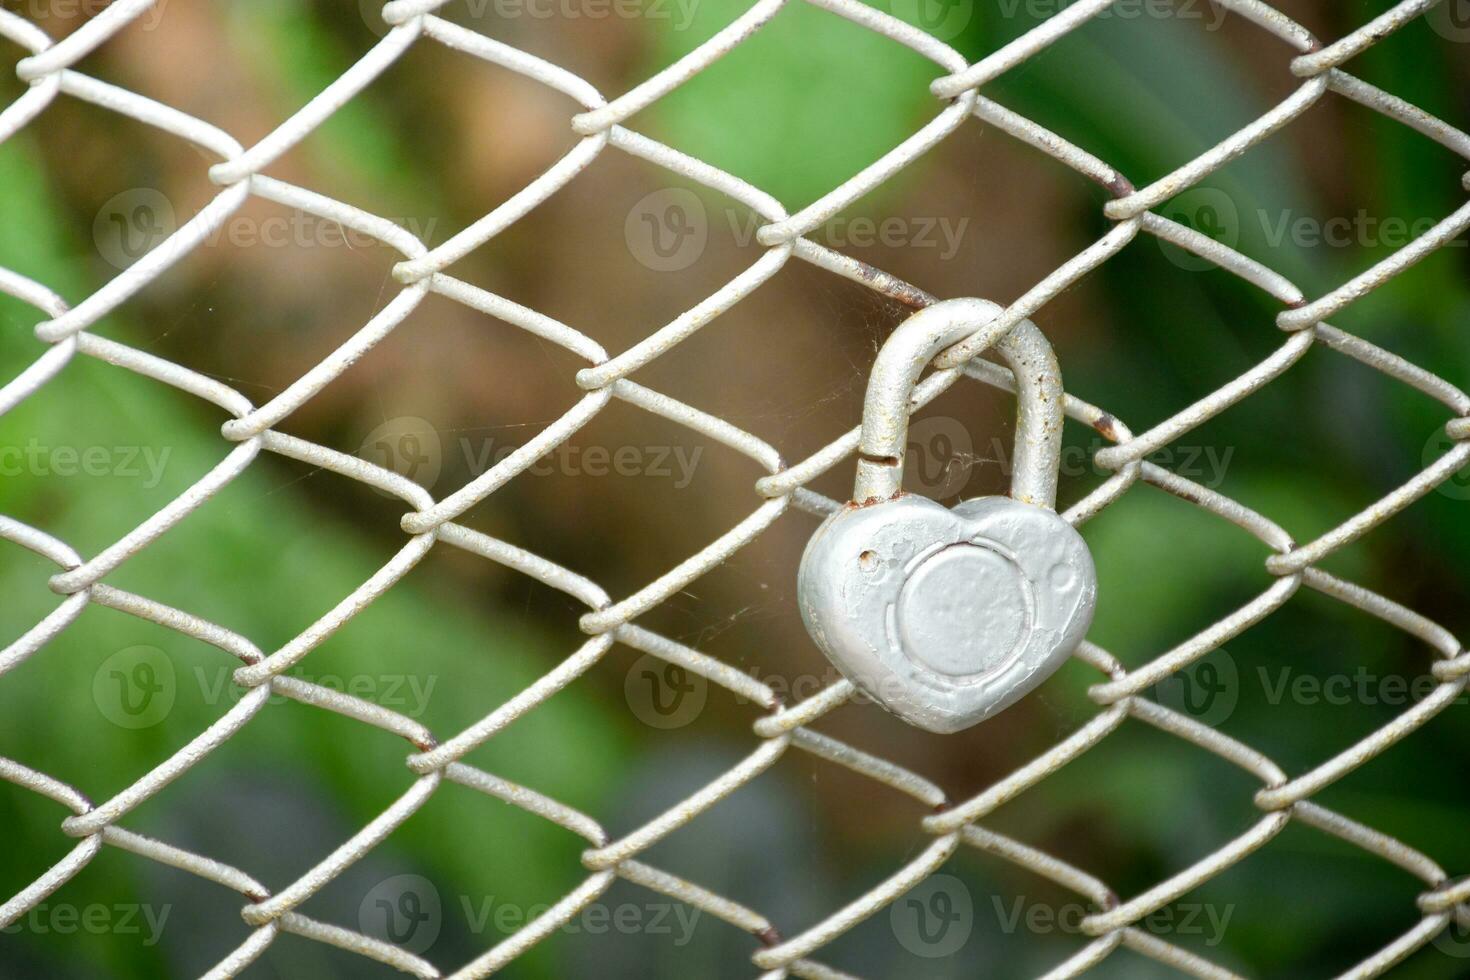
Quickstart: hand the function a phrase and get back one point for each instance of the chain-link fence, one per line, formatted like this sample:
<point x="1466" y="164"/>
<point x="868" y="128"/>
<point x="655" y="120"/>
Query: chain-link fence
<point x="793" y="948"/>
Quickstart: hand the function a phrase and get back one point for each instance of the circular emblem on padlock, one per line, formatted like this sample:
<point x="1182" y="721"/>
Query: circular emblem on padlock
<point x="947" y="616"/>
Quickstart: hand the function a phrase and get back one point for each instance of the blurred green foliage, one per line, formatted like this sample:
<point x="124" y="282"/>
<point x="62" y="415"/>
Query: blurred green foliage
<point x="213" y="565"/>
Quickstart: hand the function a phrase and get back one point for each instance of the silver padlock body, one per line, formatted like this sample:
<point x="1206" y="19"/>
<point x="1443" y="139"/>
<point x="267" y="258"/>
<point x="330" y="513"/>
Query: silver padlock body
<point x="946" y="616"/>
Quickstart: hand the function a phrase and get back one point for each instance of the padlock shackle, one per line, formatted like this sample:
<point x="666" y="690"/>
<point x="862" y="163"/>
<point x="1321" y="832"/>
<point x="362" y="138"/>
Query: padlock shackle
<point x="910" y="348"/>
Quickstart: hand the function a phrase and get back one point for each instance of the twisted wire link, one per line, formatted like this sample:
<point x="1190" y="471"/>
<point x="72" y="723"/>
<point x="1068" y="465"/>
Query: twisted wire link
<point x="64" y="331"/>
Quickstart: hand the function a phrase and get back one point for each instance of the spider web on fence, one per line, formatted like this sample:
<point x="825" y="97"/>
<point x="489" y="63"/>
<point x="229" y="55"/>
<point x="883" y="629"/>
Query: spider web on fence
<point x="786" y="948"/>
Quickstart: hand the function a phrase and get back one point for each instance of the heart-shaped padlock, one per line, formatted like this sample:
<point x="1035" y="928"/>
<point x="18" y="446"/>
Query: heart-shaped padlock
<point x="946" y="616"/>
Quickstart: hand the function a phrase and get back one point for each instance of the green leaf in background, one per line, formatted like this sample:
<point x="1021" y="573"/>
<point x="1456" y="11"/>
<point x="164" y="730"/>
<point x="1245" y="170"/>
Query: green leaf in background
<point x="808" y="101"/>
<point x="285" y="41"/>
